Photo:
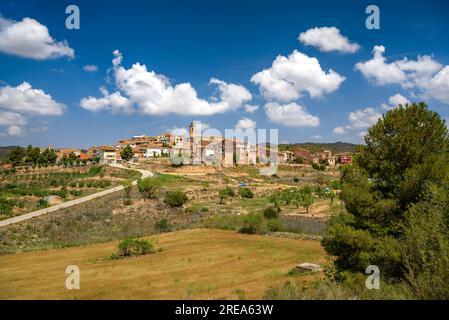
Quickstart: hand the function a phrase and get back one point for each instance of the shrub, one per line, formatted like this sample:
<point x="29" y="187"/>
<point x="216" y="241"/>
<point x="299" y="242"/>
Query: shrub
<point x="135" y="247"/>
<point x="245" y="193"/>
<point x="425" y="247"/>
<point x="225" y="193"/>
<point x="42" y="203"/>
<point x="127" y="187"/>
<point x="5" y="209"/>
<point x="76" y="193"/>
<point x="335" y="185"/>
<point x="205" y="185"/>
<point x="252" y="223"/>
<point x="276" y="199"/>
<point x="149" y="186"/>
<point x="162" y="225"/>
<point x="103" y="184"/>
<point x="63" y="192"/>
<point x="175" y="198"/>
<point x="295" y="179"/>
<point x="270" y="213"/>
<point x="274" y="225"/>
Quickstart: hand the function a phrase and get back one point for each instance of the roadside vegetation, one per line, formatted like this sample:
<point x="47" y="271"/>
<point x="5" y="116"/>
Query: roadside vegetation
<point x="26" y="189"/>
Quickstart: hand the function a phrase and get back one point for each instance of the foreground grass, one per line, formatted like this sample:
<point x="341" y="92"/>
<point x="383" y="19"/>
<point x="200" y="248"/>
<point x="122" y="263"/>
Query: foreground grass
<point x="193" y="264"/>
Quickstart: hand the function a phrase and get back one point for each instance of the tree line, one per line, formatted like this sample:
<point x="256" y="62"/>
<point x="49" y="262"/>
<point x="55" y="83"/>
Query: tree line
<point x="35" y="156"/>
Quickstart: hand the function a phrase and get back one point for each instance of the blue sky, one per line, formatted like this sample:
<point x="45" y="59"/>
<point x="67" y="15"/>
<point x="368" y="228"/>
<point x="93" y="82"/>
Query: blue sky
<point x="190" y="42"/>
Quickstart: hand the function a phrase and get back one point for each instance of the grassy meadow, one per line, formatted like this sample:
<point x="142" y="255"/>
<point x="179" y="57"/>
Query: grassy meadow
<point x="192" y="264"/>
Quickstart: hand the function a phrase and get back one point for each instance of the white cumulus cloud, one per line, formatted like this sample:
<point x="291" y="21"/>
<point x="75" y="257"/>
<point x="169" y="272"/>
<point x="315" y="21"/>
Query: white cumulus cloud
<point x="339" y="130"/>
<point x="114" y="102"/>
<point x="14" y="131"/>
<point x="154" y="94"/>
<point x="328" y="39"/>
<point x="26" y="100"/>
<point x="30" y="39"/>
<point x="292" y="115"/>
<point x="251" y="108"/>
<point x="8" y="118"/>
<point x="18" y="104"/>
<point x="363" y="118"/>
<point x="380" y="72"/>
<point x="245" y="123"/>
<point x="395" y="101"/>
<point x="290" y="77"/>
<point x="90" y="68"/>
<point x="424" y="77"/>
<point x="438" y="86"/>
<point x="359" y="120"/>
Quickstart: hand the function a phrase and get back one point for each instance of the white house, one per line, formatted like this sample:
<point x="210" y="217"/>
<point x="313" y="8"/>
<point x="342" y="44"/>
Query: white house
<point x="107" y="155"/>
<point x="155" y="151"/>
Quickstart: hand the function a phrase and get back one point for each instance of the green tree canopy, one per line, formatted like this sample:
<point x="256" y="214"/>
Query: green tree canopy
<point x="127" y="153"/>
<point x="404" y="152"/>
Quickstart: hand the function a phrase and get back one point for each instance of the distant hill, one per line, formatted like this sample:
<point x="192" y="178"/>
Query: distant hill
<point x="5" y="150"/>
<point x="335" y="147"/>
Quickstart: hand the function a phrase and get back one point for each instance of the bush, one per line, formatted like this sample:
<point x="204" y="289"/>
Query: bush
<point x="205" y="185"/>
<point x="42" y="203"/>
<point x="245" y="193"/>
<point x="425" y="247"/>
<point x="295" y="179"/>
<point x="175" y="198"/>
<point x="335" y="185"/>
<point x="135" y="247"/>
<point x="274" y="225"/>
<point x="252" y="223"/>
<point x="63" y="192"/>
<point x="149" y="186"/>
<point x="225" y="193"/>
<point x="76" y="193"/>
<point x="270" y="213"/>
<point x="162" y="225"/>
<point x="5" y="208"/>
<point x="127" y="187"/>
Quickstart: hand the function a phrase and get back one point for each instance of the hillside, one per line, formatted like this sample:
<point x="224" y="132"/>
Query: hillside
<point x="4" y="150"/>
<point x="335" y="147"/>
<point x="193" y="264"/>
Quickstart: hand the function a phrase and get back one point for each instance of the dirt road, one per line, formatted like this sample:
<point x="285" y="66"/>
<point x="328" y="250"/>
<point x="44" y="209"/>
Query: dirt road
<point x="67" y="204"/>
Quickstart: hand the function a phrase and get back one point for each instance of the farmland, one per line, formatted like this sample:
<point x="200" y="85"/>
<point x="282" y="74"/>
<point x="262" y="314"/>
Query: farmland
<point x="109" y="217"/>
<point x="25" y="189"/>
<point x="192" y="264"/>
<point x="200" y="252"/>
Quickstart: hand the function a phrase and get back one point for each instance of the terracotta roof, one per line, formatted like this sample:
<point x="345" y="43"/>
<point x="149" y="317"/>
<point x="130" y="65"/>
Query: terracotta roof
<point x="84" y="156"/>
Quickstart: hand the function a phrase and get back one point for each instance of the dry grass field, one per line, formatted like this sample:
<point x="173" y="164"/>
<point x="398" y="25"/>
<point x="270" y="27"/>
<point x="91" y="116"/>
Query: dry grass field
<point x="193" y="264"/>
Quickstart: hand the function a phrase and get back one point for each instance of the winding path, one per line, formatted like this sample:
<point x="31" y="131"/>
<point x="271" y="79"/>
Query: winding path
<point x="67" y="204"/>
